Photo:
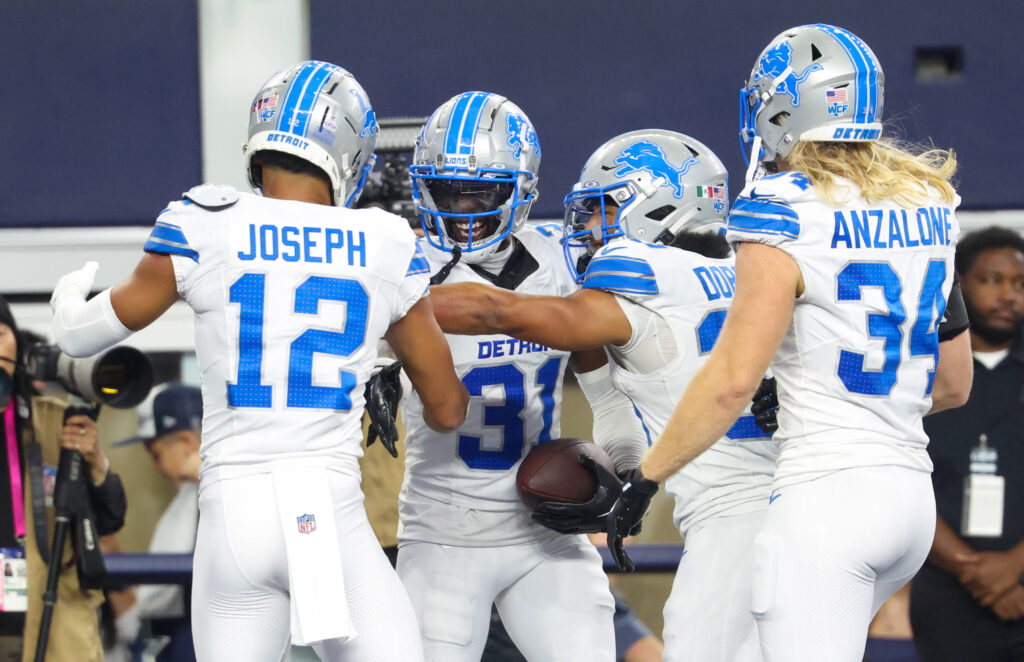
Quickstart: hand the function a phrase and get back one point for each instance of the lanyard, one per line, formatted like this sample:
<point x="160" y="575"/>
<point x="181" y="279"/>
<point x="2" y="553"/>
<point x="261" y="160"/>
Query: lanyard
<point x="14" y="464"/>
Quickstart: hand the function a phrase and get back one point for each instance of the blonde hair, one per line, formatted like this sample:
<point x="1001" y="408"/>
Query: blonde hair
<point x="884" y="169"/>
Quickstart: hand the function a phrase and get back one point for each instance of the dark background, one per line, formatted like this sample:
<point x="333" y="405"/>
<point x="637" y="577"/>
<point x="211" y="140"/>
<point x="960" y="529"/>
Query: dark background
<point x="101" y="119"/>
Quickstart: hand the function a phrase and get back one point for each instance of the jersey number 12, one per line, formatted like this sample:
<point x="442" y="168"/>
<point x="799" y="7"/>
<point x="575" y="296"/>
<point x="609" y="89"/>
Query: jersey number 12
<point x="249" y="292"/>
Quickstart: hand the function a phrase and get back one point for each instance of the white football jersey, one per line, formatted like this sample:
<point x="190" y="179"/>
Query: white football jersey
<point x="460" y="487"/>
<point x="290" y="299"/>
<point x="692" y="293"/>
<point x="856" y="366"/>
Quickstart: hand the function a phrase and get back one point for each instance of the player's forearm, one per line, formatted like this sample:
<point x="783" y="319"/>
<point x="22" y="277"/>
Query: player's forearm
<point x="954" y="374"/>
<point x="83" y="328"/>
<point x="469" y="308"/>
<point x="712" y="402"/>
<point x="946" y="547"/>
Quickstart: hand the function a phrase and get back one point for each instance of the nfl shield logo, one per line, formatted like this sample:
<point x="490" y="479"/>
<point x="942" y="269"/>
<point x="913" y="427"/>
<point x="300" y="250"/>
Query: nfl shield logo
<point x="307" y="523"/>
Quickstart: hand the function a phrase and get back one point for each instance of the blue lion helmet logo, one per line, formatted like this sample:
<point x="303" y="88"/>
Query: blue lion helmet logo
<point x="369" y="117"/>
<point x="521" y="134"/>
<point x="648" y="157"/>
<point x="775" y="61"/>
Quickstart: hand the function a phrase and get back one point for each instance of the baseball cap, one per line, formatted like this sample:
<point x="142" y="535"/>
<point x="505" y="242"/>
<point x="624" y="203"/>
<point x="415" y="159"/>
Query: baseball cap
<point x="169" y="408"/>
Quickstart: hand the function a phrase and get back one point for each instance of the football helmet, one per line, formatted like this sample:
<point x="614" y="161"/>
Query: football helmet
<point x="474" y="173"/>
<point x="814" y="83"/>
<point x="648" y="185"/>
<point x="319" y="113"/>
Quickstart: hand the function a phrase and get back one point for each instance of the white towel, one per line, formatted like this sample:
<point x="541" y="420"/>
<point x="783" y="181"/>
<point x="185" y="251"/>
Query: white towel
<point x="319" y="606"/>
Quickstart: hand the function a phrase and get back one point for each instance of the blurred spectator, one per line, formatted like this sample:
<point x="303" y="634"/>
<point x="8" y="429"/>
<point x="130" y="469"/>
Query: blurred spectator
<point x="170" y="423"/>
<point x="967" y="602"/>
<point x="31" y="436"/>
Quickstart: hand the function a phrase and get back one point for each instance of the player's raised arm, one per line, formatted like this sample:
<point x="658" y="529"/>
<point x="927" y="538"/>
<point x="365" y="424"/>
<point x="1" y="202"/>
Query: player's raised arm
<point x="585" y="320"/>
<point x="83" y="328"/>
<point x="419" y="344"/>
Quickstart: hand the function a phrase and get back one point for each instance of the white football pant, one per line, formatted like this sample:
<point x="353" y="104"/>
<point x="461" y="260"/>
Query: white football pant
<point x="552" y="595"/>
<point x="240" y="600"/>
<point x="831" y="552"/>
<point x="707" y="615"/>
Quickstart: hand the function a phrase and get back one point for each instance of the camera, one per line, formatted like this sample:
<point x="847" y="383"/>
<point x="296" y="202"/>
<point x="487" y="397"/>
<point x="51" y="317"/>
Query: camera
<point x="388" y="186"/>
<point x="120" y="377"/>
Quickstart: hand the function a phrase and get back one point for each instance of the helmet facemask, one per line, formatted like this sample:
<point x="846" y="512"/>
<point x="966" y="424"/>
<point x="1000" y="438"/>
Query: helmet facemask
<point x="469" y="212"/>
<point x="592" y="219"/>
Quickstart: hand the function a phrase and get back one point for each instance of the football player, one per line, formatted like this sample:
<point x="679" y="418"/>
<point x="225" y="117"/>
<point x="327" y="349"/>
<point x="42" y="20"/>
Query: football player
<point x="465" y="538"/>
<point x="843" y="268"/>
<point x="292" y="292"/>
<point x="657" y="281"/>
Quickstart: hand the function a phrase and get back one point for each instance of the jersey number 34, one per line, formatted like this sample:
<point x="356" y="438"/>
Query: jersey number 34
<point x="924" y="338"/>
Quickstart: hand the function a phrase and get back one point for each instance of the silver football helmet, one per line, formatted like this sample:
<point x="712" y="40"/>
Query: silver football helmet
<point x="474" y="173"/>
<point x="648" y="185"/>
<point x="814" y="83"/>
<point x="319" y="113"/>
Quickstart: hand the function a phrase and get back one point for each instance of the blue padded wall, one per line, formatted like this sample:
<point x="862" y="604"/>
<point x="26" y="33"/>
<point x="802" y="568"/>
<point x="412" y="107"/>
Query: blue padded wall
<point x="101" y="122"/>
<point x="101" y="110"/>
<point x="585" y="71"/>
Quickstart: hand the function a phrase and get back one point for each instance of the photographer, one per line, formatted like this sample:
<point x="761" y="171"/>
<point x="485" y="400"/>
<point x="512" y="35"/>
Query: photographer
<point x="39" y="431"/>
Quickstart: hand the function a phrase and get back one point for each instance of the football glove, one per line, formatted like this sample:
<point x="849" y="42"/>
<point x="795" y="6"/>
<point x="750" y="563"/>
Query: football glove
<point x="765" y="406"/>
<point x="78" y="282"/>
<point x="626" y="514"/>
<point x="382" y="393"/>
<point x="589" y="517"/>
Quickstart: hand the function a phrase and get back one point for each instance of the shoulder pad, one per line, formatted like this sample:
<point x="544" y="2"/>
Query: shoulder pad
<point x="212" y="196"/>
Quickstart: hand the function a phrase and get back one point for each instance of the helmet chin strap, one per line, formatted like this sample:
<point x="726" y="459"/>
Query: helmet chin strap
<point x="755" y="160"/>
<point x="670" y="233"/>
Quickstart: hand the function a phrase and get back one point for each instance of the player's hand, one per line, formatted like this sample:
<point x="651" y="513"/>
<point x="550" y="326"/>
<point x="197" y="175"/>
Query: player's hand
<point x="626" y="514"/>
<point x="989" y="575"/>
<point x="765" y="406"/>
<point x="80" y="280"/>
<point x="383" y="391"/>
<point x="1010" y="607"/>
<point x="589" y="517"/>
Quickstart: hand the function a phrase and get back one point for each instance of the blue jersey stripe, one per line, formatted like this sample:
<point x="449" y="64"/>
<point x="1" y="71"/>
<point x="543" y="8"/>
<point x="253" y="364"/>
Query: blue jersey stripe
<point x="468" y="138"/>
<point x="294" y="93"/>
<point x="761" y="206"/>
<point x="169" y="232"/>
<point x="161" y="246"/>
<point x="630" y="265"/>
<point x="865" y="73"/>
<point x="620" y="282"/>
<point x="643" y="425"/>
<point x="418" y="265"/>
<point x="451" y="136"/>
<point x="760" y="225"/>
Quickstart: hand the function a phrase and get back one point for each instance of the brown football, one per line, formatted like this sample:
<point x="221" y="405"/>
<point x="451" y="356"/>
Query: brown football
<point x="552" y="472"/>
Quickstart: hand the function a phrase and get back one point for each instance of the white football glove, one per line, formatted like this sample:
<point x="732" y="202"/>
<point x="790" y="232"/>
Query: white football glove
<point x="79" y="281"/>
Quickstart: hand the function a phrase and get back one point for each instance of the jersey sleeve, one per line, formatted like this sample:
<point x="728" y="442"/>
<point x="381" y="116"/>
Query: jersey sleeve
<point x="764" y="212"/>
<point x="415" y="284"/>
<point x="621" y="269"/>
<point x="168" y="237"/>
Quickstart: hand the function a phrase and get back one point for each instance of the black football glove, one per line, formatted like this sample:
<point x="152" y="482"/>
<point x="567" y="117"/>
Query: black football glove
<point x="383" y="390"/>
<point x="765" y="406"/>
<point x="625" y="516"/>
<point x="589" y="517"/>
